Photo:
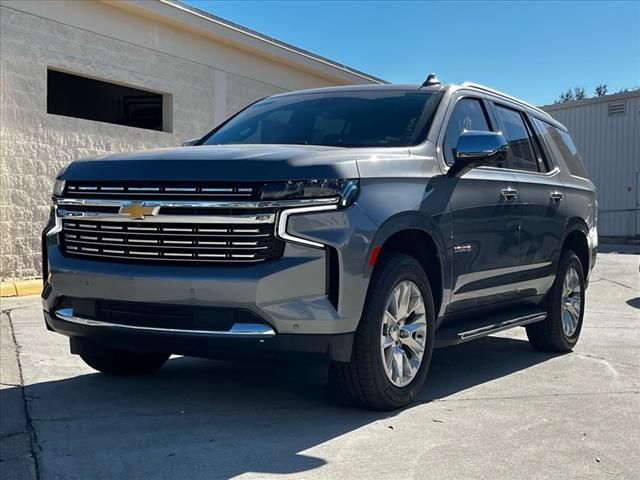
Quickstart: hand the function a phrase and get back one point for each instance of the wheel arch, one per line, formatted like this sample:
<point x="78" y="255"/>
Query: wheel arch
<point x="576" y="239"/>
<point x="418" y="236"/>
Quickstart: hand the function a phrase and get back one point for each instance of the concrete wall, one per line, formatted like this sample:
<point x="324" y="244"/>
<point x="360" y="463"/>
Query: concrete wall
<point x="206" y="80"/>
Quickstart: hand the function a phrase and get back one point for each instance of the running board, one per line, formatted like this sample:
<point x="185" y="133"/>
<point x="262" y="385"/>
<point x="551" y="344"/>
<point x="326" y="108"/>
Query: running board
<point x="466" y="331"/>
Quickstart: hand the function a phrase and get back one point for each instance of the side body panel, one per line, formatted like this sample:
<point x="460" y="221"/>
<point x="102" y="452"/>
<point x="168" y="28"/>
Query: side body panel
<point x="543" y="224"/>
<point x="582" y="212"/>
<point x="486" y="239"/>
<point x="486" y="223"/>
<point x="409" y="194"/>
<point x="579" y="199"/>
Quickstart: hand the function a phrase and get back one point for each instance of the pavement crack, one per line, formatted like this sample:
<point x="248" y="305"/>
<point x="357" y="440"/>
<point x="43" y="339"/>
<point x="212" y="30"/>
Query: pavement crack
<point x="33" y="436"/>
<point x="596" y="357"/>
<point x="5" y="384"/>
<point x="8" y="311"/>
<point x="10" y="435"/>
<point x="616" y="283"/>
<point x="543" y="395"/>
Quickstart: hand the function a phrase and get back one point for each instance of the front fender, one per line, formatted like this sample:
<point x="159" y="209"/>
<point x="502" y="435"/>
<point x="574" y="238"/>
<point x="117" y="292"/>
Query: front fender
<point x="409" y="221"/>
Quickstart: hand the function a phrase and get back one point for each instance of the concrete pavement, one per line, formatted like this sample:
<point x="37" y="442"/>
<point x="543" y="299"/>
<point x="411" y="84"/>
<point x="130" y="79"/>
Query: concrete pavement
<point x="491" y="409"/>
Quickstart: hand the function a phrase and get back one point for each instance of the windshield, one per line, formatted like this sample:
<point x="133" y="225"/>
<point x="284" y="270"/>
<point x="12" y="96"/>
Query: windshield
<point x="370" y="118"/>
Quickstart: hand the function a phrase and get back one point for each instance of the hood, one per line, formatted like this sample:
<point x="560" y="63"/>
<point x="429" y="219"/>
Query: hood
<point x="221" y="162"/>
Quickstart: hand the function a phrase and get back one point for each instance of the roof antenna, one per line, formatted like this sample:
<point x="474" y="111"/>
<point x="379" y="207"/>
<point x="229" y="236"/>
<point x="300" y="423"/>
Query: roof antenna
<point x="431" y="80"/>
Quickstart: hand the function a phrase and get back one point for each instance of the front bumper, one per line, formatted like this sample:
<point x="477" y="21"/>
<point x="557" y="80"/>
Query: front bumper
<point x="289" y="294"/>
<point x="335" y="347"/>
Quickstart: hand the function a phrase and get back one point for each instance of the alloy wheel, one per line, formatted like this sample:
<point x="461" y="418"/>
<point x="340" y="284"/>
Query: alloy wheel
<point x="571" y="301"/>
<point x="404" y="333"/>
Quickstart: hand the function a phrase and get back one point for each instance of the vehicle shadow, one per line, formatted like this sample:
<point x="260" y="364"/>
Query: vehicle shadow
<point x="634" y="302"/>
<point x="202" y="419"/>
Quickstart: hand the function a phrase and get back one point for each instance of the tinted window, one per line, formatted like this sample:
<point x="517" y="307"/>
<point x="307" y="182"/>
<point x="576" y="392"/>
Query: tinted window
<point x="80" y="97"/>
<point x="371" y="118"/>
<point x="561" y="145"/>
<point x="521" y="155"/>
<point x="468" y="114"/>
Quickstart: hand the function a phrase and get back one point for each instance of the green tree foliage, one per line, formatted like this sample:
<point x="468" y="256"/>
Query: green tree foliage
<point x="629" y="89"/>
<point x="601" y="90"/>
<point x="579" y="93"/>
<point x="566" y="96"/>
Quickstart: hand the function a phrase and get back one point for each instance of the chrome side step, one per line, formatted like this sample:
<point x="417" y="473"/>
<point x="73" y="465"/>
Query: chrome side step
<point x="462" y="332"/>
<point x="254" y="330"/>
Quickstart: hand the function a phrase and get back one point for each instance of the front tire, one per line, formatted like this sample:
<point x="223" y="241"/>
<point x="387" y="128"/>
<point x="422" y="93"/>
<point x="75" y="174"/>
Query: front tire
<point x="394" y="341"/>
<point x="123" y="363"/>
<point x="565" y="309"/>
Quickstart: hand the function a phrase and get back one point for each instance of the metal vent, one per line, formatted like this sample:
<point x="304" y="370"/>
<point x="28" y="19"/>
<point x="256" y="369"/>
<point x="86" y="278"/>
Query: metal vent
<point x="617" y="108"/>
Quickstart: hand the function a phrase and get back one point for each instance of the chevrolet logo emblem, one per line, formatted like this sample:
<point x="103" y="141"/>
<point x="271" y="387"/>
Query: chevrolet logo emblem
<point x="138" y="211"/>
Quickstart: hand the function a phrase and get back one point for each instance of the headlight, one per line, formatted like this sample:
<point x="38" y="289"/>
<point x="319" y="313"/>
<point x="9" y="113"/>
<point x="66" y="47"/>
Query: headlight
<point x="58" y="188"/>
<point x="304" y="189"/>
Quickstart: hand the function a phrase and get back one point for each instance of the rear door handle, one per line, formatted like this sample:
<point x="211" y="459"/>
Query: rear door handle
<point x="509" y="193"/>
<point x="556" y="196"/>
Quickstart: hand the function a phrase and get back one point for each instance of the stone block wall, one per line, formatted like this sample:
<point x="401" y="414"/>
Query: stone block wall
<point x="35" y="145"/>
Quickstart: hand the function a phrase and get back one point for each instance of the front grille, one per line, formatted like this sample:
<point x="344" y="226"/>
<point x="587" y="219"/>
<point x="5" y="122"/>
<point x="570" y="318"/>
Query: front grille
<point x="165" y="190"/>
<point x="170" y="242"/>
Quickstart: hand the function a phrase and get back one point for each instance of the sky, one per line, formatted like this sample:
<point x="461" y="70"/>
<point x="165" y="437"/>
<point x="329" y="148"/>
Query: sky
<point x="532" y="50"/>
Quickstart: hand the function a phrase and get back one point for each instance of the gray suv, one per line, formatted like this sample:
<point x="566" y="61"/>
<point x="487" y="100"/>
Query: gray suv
<point x="362" y="225"/>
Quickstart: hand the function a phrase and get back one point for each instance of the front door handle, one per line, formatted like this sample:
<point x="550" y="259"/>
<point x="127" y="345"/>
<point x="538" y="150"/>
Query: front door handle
<point x="509" y="193"/>
<point x="556" y="196"/>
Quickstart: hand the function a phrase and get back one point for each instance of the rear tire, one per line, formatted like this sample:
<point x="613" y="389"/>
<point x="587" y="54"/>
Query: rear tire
<point x="390" y="358"/>
<point x="560" y="331"/>
<point x="123" y="363"/>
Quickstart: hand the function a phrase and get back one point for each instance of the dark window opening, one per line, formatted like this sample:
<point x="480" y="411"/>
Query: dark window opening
<point x="81" y="97"/>
<point x="561" y="146"/>
<point x="468" y="114"/>
<point x="521" y="155"/>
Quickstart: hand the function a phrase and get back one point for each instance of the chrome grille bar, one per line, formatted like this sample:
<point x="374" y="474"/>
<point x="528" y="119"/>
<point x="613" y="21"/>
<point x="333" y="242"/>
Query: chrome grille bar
<point x="163" y="245"/>
<point x="151" y="189"/>
<point x="261" y="218"/>
<point x="102" y="202"/>
<point x="177" y="230"/>
<point x="158" y="241"/>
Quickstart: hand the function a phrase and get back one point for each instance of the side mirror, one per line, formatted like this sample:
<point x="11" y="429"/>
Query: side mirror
<point x="190" y="142"/>
<point x="477" y="148"/>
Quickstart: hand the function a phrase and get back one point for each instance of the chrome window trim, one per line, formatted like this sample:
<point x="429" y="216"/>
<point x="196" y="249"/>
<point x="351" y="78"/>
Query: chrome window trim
<point x="99" y="202"/>
<point x="457" y="96"/>
<point x="550" y="173"/>
<point x="468" y="91"/>
<point x="281" y="230"/>
<point x="482" y="88"/>
<point x="237" y="330"/>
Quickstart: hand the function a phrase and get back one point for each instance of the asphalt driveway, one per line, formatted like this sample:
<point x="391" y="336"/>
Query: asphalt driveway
<point x="493" y="408"/>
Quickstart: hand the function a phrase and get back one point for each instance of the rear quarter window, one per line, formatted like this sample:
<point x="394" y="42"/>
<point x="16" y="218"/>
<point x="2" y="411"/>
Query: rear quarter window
<point x="560" y="144"/>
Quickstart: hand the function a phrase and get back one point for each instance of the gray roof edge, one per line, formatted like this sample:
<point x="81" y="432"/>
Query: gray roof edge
<point x="274" y="41"/>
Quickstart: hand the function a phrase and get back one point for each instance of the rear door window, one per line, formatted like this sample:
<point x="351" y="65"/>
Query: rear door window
<point x="521" y="154"/>
<point x="560" y="144"/>
<point x="468" y="114"/>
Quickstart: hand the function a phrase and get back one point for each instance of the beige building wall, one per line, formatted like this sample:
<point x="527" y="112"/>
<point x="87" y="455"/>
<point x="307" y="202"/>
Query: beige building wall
<point x="206" y="70"/>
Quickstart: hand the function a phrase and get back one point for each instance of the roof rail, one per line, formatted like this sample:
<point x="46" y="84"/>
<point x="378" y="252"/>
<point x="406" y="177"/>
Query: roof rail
<point x="491" y="90"/>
